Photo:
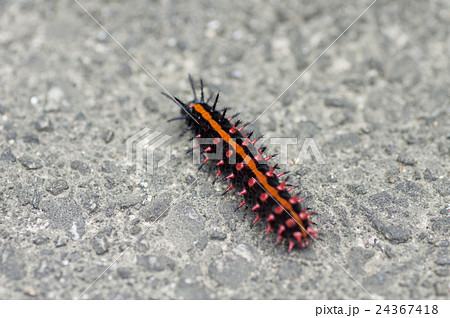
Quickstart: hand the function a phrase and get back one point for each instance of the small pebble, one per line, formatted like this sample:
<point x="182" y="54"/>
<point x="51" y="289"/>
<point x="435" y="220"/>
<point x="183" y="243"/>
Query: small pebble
<point x="30" y="138"/>
<point x="40" y="240"/>
<point x="30" y="163"/>
<point x="338" y="103"/>
<point x="57" y="187"/>
<point x="124" y="272"/>
<point x="60" y="241"/>
<point x="7" y="156"/>
<point x="100" y="244"/>
<point x="406" y="160"/>
<point x="108" y="136"/>
<point x="43" y="124"/>
<point x="216" y="235"/>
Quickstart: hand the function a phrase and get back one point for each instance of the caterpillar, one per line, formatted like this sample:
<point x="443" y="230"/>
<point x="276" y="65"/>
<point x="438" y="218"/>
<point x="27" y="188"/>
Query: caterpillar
<point x="228" y="148"/>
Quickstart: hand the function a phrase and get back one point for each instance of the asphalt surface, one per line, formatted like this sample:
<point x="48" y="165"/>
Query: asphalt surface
<point x="376" y="104"/>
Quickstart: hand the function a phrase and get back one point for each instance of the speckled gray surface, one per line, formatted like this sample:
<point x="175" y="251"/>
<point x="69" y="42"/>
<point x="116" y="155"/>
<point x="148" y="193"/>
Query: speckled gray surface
<point x="377" y="105"/>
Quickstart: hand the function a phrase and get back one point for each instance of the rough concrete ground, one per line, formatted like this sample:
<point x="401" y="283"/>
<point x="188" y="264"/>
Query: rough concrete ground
<point x="377" y="105"/>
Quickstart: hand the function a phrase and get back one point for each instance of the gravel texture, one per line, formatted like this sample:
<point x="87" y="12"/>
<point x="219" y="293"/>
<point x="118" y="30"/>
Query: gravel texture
<point x="376" y="104"/>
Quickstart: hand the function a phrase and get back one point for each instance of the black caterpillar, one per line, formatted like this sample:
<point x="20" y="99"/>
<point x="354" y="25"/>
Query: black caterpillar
<point x="246" y="168"/>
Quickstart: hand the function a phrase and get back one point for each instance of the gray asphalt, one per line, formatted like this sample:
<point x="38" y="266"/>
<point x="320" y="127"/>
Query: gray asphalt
<point x="376" y="104"/>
